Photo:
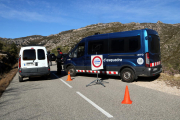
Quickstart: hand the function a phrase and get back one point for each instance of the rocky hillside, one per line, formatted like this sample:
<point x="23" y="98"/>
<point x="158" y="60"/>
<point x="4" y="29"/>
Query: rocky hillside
<point x="24" y="40"/>
<point x="169" y="35"/>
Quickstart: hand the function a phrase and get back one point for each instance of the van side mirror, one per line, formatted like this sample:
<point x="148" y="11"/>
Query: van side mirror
<point x="70" y="55"/>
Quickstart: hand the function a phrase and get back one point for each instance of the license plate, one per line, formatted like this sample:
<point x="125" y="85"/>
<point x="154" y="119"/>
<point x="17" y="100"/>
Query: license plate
<point x="155" y="69"/>
<point x="30" y="64"/>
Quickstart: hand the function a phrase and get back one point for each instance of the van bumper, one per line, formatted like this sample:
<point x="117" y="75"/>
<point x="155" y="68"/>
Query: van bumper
<point x="148" y="71"/>
<point x="28" y="72"/>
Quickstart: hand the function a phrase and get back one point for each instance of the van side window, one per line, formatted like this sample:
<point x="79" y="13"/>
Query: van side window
<point x="117" y="45"/>
<point x="41" y="54"/>
<point x="29" y="54"/>
<point x="79" y="51"/>
<point x="125" y="45"/>
<point x="134" y="44"/>
<point x="99" y="46"/>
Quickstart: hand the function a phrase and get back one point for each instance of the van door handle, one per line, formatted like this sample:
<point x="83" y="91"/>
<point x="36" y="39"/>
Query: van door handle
<point x="36" y="63"/>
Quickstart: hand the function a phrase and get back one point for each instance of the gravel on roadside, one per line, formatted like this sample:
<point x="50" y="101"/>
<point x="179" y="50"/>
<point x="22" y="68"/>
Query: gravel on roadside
<point x="164" y="84"/>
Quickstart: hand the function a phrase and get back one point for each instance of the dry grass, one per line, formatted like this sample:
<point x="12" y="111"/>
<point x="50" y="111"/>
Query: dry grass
<point x="170" y="80"/>
<point x="7" y="78"/>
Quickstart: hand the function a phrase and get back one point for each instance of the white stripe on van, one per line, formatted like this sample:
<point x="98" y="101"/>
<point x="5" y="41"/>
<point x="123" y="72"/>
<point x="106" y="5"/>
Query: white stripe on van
<point x="101" y="72"/>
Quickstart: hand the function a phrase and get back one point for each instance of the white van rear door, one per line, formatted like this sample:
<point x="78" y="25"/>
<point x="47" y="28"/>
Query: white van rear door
<point x="33" y="57"/>
<point x="28" y="58"/>
<point x="41" y="58"/>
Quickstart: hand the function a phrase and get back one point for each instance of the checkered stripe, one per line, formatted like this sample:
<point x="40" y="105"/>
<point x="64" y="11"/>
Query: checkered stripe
<point x="155" y="64"/>
<point x="101" y="72"/>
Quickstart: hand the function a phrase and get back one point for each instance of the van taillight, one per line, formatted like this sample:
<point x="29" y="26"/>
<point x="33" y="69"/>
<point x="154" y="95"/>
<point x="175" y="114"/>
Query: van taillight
<point x="147" y="59"/>
<point x="19" y="62"/>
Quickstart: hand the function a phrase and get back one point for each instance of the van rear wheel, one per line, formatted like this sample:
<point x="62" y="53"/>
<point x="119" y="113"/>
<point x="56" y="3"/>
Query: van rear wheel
<point x="72" y="71"/>
<point x="48" y="77"/>
<point x="127" y="75"/>
<point x="20" y="79"/>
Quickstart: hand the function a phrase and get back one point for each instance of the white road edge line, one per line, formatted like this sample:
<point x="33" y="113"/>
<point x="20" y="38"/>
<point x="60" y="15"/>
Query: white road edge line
<point x="66" y="83"/>
<point x="96" y="106"/>
<point x="63" y="81"/>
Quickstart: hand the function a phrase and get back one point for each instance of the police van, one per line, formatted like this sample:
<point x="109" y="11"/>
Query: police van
<point x="127" y="54"/>
<point x="33" y="61"/>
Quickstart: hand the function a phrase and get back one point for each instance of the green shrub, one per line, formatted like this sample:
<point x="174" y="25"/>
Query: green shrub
<point x="13" y="49"/>
<point x="1" y="46"/>
<point x="64" y="49"/>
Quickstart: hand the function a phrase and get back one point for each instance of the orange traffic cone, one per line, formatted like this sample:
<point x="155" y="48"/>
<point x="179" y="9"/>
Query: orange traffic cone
<point x="69" y="77"/>
<point x="126" y="97"/>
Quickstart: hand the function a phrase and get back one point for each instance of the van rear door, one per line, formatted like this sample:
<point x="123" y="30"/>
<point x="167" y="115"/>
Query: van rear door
<point x="28" y="58"/>
<point x="154" y="50"/>
<point x="33" y="57"/>
<point x="41" y="60"/>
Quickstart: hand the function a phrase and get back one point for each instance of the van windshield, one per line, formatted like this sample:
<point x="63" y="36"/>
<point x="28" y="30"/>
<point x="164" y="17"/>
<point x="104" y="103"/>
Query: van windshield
<point x="29" y="54"/>
<point x="154" y="44"/>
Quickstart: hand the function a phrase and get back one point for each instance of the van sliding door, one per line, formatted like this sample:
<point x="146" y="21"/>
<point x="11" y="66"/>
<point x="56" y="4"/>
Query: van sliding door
<point x="124" y="51"/>
<point x="99" y="47"/>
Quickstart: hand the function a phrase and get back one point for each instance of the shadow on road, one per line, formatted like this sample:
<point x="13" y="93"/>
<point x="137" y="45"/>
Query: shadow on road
<point x="147" y="79"/>
<point x="44" y="78"/>
<point x="106" y="77"/>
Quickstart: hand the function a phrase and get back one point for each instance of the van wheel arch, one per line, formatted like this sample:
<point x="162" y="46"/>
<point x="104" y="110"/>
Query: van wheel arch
<point x="131" y="70"/>
<point x="72" y="70"/>
<point x="66" y="67"/>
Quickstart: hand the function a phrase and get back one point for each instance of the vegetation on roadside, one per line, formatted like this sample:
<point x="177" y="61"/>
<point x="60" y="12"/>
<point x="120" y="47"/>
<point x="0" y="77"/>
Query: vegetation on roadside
<point x="170" y="80"/>
<point x="64" y="49"/>
<point x="8" y="55"/>
<point x="7" y="78"/>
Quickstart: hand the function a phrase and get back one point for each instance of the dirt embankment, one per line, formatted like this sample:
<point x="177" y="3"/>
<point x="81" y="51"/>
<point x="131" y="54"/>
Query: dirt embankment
<point x="7" y="78"/>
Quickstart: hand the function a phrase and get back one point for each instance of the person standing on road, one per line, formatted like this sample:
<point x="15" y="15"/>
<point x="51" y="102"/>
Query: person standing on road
<point x="49" y="57"/>
<point x="59" y="56"/>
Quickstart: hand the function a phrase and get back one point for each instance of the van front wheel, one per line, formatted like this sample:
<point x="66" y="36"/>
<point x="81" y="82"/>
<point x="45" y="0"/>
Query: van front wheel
<point x="127" y="75"/>
<point x="72" y="71"/>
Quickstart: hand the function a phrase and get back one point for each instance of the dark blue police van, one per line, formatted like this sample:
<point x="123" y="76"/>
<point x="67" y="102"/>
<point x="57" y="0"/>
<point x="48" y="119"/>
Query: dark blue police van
<point x="127" y="54"/>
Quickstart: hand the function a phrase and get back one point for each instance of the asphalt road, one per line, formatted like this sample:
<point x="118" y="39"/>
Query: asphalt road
<point x="58" y="99"/>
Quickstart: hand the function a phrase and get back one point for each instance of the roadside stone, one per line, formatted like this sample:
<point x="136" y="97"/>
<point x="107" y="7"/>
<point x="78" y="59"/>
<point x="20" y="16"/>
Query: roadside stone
<point x="177" y="75"/>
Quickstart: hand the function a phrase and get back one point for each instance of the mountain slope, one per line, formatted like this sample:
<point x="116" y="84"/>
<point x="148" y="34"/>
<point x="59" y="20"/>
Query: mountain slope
<point x="169" y="35"/>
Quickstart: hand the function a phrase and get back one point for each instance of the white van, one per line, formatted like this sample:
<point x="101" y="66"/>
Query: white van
<point x="33" y="61"/>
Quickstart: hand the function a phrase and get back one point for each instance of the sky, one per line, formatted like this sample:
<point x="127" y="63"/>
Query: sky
<point x="21" y="18"/>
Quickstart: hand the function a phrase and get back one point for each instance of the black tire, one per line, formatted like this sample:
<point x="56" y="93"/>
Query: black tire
<point x="72" y="71"/>
<point x="127" y="75"/>
<point x="20" y="79"/>
<point x="49" y="77"/>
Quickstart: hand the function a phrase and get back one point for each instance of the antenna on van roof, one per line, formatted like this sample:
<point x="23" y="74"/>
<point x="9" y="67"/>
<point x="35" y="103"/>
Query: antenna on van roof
<point x="97" y="33"/>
